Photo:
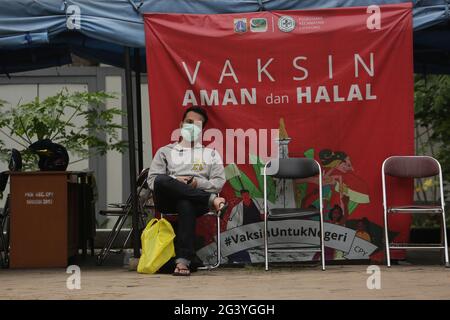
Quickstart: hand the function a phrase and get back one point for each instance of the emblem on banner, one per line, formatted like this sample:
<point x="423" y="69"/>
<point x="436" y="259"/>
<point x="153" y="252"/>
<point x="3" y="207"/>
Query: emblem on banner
<point x="240" y="25"/>
<point x="286" y="24"/>
<point x="258" y="25"/>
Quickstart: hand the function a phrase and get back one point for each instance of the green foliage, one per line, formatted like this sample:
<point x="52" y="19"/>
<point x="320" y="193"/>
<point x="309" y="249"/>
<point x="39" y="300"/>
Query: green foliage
<point x="78" y="121"/>
<point x="432" y="114"/>
<point x="432" y="111"/>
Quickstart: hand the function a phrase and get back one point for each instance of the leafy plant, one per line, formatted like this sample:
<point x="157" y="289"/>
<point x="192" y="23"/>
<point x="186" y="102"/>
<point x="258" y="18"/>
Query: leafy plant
<point x="432" y="114"/>
<point x="78" y="121"/>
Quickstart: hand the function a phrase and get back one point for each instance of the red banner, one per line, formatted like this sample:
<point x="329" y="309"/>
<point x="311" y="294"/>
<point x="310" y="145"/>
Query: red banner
<point x="337" y="83"/>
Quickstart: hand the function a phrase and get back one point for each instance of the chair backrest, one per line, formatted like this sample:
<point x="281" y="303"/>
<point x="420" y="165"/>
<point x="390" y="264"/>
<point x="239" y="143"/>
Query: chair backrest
<point x="142" y="178"/>
<point x="141" y="183"/>
<point x="411" y="166"/>
<point x="294" y="168"/>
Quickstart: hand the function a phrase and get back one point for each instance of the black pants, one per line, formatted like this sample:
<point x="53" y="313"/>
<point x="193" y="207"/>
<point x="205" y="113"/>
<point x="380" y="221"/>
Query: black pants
<point x="173" y="196"/>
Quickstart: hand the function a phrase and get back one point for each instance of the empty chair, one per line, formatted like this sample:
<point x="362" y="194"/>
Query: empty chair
<point x="413" y="167"/>
<point x="293" y="168"/>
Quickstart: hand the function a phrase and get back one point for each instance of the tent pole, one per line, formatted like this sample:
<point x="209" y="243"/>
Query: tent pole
<point x="132" y="150"/>
<point x="137" y="65"/>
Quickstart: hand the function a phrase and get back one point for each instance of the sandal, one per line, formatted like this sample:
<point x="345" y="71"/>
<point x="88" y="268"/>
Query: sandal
<point x="222" y="209"/>
<point x="182" y="272"/>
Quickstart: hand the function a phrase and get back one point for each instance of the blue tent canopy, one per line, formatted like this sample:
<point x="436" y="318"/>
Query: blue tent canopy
<point x="37" y="33"/>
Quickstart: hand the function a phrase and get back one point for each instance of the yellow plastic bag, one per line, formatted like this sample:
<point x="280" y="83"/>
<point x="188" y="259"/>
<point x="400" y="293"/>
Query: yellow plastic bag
<point x="157" y="245"/>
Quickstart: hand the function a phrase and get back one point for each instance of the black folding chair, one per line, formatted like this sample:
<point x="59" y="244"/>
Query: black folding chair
<point x="293" y="168"/>
<point x="123" y="211"/>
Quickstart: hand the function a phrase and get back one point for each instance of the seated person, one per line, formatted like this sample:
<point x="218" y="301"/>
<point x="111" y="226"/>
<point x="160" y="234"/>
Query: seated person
<point x="185" y="178"/>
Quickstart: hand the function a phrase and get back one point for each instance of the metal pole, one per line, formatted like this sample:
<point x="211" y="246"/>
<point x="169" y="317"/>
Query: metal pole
<point x="137" y="59"/>
<point x="132" y="150"/>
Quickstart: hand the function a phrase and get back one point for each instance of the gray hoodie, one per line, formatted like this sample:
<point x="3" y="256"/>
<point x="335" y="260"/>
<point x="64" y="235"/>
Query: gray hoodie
<point x="204" y="164"/>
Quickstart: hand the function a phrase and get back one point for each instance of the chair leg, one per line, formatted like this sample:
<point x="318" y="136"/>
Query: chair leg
<point x="322" y="244"/>
<point x="100" y="256"/>
<point x="125" y="217"/>
<point x="386" y="239"/>
<point x="111" y="239"/>
<point x="444" y="234"/>
<point x="127" y="238"/>
<point x="266" y="244"/>
<point x="219" y="253"/>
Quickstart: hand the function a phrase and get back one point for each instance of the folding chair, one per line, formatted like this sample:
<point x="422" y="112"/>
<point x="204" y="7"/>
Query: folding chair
<point x="123" y="211"/>
<point x="292" y="168"/>
<point x="413" y="167"/>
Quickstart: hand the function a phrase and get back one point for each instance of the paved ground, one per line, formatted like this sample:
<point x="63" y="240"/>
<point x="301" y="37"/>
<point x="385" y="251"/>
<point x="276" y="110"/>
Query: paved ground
<point x="301" y="282"/>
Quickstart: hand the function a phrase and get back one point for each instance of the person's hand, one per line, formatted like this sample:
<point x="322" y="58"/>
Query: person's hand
<point x="183" y="179"/>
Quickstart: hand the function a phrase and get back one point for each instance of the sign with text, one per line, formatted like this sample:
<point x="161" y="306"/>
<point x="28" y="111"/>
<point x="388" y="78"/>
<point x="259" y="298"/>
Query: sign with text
<point x="335" y="85"/>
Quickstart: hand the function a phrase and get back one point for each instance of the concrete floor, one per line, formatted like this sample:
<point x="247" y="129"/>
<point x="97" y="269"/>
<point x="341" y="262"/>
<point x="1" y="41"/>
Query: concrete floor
<point x="251" y="282"/>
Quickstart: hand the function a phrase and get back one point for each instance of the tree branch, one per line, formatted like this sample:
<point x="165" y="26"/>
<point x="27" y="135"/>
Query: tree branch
<point x="70" y="118"/>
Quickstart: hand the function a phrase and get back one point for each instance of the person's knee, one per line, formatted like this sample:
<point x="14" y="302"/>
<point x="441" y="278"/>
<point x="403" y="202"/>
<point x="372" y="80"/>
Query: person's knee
<point x="162" y="181"/>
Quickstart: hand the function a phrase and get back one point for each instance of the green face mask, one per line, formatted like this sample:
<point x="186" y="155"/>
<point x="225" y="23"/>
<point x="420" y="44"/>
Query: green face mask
<point x="190" y="132"/>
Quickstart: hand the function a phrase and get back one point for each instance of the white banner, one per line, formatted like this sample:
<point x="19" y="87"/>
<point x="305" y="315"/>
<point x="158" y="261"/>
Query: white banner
<point x="288" y="233"/>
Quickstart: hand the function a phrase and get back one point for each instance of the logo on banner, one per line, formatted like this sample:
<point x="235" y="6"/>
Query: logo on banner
<point x="286" y="24"/>
<point x="258" y="25"/>
<point x="310" y="23"/>
<point x="240" y="25"/>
